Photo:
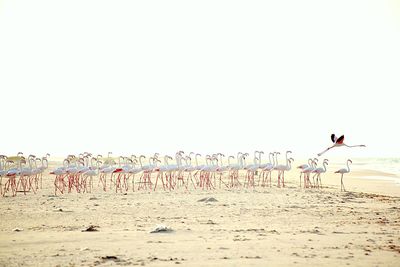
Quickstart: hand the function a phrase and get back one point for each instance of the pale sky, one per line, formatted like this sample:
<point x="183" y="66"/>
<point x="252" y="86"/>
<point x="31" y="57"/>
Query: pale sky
<point x="204" y="76"/>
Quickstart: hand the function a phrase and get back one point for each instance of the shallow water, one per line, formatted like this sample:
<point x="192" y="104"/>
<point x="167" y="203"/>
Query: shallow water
<point x="388" y="165"/>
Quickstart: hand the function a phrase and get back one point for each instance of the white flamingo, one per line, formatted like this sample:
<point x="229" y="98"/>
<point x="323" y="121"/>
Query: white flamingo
<point x="282" y="168"/>
<point x="303" y="167"/>
<point x="306" y="172"/>
<point x="267" y="168"/>
<point x="319" y="171"/>
<point x="343" y="171"/>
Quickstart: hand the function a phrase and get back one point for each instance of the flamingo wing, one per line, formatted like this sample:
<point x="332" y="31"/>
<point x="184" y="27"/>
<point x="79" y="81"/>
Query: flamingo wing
<point x="333" y="138"/>
<point x="340" y="140"/>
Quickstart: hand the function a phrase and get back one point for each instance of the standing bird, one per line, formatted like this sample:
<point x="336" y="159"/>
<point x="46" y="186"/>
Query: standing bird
<point x="318" y="172"/>
<point x="306" y="172"/>
<point x="338" y="142"/>
<point x="303" y="167"/>
<point x="343" y="171"/>
<point x="281" y="171"/>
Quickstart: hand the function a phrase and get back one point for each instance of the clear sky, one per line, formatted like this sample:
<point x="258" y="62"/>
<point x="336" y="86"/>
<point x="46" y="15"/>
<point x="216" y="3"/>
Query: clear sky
<point x="206" y="76"/>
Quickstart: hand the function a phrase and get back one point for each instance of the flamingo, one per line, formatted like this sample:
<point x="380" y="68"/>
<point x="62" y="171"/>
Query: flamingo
<point x="282" y="168"/>
<point x="90" y="173"/>
<point x="303" y="167"/>
<point x="209" y="171"/>
<point x="104" y="171"/>
<point x="306" y="172"/>
<point x="221" y="168"/>
<point x="343" y="171"/>
<point x="279" y="167"/>
<point x="188" y="168"/>
<point x="267" y="168"/>
<point x="3" y="170"/>
<point x="12" y="174"/>
<point x="145" y="178"/>
<point x="60" y="173"/>
<point x="286" y="167"/>
<point x="29" y="173"/>
<point x="337" y="142"/>
<point x="161" y="170"/>
<point x="198" y="167"/>
<point x="133" y="171"/>
<point x="233" y="172"/>
<point x="251" y="170"/>
<point x="318" y="172"/>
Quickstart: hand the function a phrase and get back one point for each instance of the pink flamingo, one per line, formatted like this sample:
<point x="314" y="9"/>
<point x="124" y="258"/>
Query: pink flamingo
<point x="337" y="142"/>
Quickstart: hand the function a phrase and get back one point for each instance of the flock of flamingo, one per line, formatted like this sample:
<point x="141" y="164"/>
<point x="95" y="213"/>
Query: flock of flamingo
<point x="24" y="174"/>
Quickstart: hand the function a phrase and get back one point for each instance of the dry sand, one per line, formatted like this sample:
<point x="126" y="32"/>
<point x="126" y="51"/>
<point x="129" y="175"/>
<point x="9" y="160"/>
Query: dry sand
<point x="262" y="226"/>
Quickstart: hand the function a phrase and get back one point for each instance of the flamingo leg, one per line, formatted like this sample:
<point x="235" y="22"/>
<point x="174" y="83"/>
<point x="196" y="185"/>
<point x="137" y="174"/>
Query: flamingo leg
<point x="342" y="184"/>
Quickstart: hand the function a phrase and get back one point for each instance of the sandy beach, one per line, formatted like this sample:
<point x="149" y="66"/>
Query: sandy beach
<point x="224" y="227"/>
<point x="110" y="90"/>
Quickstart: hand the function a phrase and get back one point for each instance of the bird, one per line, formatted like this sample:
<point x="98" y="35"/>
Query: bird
<point x="343" y="171"/>
<point x="306" y="172"/>
<point x="282" y="168"/>
<point x="251" y="171"/>
<point x="303" y="167"/>
<point x="317" y="172"/>
<point x="337" y="142"/>
<point x="267" y="169"/>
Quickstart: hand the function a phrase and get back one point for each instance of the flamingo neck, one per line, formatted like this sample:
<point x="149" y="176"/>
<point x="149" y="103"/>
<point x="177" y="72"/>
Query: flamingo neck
<point x="140" y="161"/>
<point x="289" y="165"/>
<point x="239" y="157"/>
<point x="255" y="160"/>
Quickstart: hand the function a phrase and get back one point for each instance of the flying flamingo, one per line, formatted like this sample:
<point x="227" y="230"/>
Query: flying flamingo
<point x="343" y="171"/>
<point x="337" y="142"/>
